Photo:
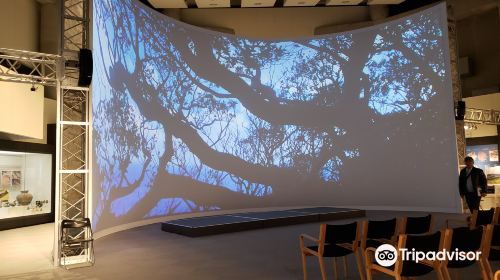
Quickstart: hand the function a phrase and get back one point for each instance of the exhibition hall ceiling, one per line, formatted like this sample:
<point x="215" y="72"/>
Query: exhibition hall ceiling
<point x="166" y="4"/>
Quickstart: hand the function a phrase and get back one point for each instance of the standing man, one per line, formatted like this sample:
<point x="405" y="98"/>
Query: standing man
<point x="472" y="184"/>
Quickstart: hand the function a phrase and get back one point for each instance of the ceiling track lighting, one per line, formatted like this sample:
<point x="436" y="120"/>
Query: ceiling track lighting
<point x="470" y="126"/>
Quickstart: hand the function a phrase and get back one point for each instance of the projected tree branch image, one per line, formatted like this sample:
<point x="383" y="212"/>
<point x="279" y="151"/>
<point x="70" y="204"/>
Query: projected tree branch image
<point x="189" y="120"/>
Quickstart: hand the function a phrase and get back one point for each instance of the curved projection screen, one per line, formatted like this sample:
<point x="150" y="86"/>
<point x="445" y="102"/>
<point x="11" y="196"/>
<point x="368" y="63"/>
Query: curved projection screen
<point x="189" y="120"/>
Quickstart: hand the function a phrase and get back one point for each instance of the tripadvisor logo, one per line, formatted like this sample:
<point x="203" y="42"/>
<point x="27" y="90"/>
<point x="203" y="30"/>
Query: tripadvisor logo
<point x="386" y="255"/>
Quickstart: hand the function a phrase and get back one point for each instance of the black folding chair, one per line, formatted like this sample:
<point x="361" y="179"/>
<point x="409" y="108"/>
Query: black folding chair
<point x="76" y="240"/>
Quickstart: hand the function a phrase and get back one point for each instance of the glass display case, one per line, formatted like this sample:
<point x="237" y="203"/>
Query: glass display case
<point x="26" y="184"/>
<point x="486" y="157"/>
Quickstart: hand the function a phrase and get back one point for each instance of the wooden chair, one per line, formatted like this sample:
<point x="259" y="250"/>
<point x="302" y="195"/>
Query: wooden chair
<point x="479" y="218"/>
<point x="484" y="217"/>
<point x="465" y="239"/>
<point x="491" y="248"/>
<point x="334" y="241"/>
<point x="416" y="225"/>
<point x="376" y="233"/>
<point x="405" y="268"/>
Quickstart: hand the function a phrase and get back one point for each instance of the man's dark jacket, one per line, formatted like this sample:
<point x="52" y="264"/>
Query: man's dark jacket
<point x="478" y="180"/>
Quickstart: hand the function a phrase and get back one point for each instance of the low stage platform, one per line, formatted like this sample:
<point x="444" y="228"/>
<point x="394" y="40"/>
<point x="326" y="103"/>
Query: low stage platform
<point x="194" y="227"/>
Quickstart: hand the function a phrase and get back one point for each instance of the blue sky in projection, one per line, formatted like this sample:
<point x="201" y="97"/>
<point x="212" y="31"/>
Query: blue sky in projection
<point x="170" y="101"/>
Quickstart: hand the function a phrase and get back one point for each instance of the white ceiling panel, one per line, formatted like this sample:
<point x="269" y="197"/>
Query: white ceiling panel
<point x="257" y="3"/>
<point x="165" y="4"/>
<point x="342" y="2"/>
<point x="292" y="3"/>
<point x="213" y="3"/>
<point x="384" y="2"/>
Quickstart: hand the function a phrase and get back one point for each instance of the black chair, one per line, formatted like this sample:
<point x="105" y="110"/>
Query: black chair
<point x="405" y="268"/>
<point x="377" y="233"/>
<point x="479" y="218"/>
<point x="416" y="225"/>
<point x="491" y="247"/>
<point x="334" y="241"/>
<point x="484" y="217"/>
<point x="76" y="240"/>
<point x="465" y="239"/>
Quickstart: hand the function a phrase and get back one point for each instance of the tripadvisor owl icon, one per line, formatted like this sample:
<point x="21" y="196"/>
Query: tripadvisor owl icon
<point x="386" y="255"/>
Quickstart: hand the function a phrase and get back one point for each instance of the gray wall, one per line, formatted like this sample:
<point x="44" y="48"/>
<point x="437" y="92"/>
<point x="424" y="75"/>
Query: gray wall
<point x="479" y="39"/>
<point x="19" y="24"/>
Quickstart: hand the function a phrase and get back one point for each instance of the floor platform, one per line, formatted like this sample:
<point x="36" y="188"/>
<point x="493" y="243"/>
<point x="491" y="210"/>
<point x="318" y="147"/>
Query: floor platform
<point x="194" y="227"/>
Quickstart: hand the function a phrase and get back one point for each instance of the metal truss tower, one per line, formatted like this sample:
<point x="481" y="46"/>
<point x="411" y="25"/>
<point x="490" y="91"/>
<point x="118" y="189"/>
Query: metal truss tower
<point x="455" y="80"/>
<point x="73" y="130"/>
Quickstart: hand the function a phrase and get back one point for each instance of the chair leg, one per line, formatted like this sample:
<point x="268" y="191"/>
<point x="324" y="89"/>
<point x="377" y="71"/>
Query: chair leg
<point x="63" y="260"/>
<point x="335" y="269"/>
<point x="304" y="264"/>
<point x="322" y="268"/>
<point x="439" y="273"/>
<point x="359" y="264"/>
<point x="445" y="272"/>
<point x="60" y="254"/>
<point x="368" y="274"/>
<point x="368" y="267"/>
<point x="92" y="255"/>
<point x="345" y="267"/>
<point x="486" y="272"/>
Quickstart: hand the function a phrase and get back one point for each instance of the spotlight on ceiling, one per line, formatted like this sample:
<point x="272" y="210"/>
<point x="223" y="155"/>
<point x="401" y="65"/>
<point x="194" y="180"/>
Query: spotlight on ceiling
<point x="470" y="126"/>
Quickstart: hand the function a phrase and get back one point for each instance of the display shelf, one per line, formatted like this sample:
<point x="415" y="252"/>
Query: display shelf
<point x="21" y="211"/>
<point x="491" y="200"/>
<point x="26" y="176"/>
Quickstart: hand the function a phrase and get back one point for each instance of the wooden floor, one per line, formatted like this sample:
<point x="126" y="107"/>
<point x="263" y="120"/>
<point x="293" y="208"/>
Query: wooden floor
<point x="149" y="253"/>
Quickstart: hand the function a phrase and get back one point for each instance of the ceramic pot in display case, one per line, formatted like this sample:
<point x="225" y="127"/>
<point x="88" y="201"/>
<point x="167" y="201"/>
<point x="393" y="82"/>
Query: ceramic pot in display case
<point x="24" y="198"/>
